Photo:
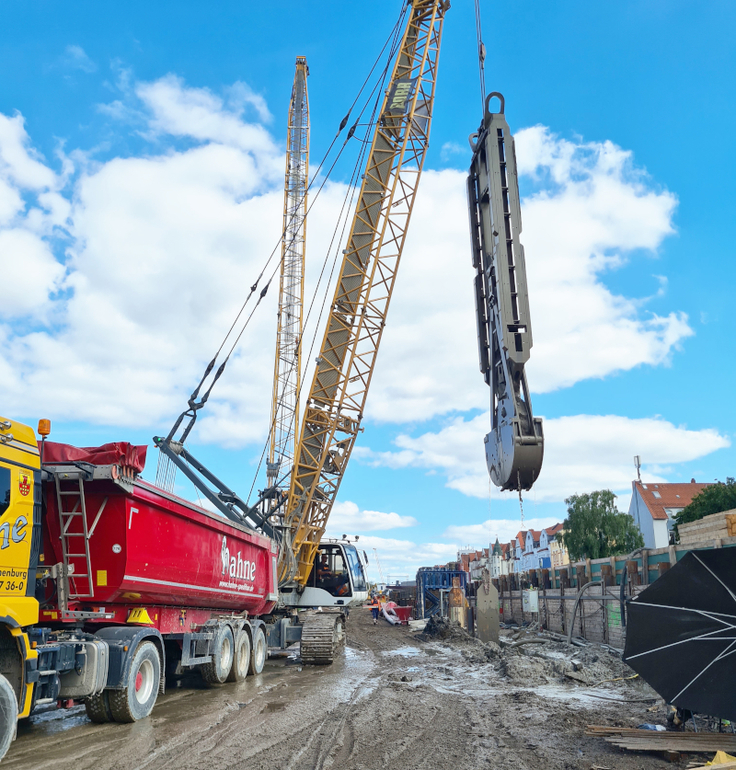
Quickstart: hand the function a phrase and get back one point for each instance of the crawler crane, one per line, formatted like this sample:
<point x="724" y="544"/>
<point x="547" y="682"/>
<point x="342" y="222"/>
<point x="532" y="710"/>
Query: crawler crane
<point x="112" y="584"/>
<point x="336" y="400"/>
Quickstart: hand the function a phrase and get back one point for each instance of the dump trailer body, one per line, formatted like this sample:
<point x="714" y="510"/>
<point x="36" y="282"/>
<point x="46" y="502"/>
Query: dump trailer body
<point x="130" y="544"/>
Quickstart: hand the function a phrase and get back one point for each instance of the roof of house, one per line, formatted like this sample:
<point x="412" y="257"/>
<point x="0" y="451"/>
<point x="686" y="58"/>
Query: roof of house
<point x="552" y="531"/>
<point x="658" y="497"/>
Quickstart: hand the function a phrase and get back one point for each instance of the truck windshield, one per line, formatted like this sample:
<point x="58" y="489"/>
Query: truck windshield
<point x="4" y="490"/>
<point x="356" y="568"/>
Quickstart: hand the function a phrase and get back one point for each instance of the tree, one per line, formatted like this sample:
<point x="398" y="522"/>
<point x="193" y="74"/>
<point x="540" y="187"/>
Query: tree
<point x="713" y="499"/>
<point x="595" y="528"/>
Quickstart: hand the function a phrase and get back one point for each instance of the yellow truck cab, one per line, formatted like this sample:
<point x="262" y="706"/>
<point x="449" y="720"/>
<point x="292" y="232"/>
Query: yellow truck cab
<point x="20" y="535"/>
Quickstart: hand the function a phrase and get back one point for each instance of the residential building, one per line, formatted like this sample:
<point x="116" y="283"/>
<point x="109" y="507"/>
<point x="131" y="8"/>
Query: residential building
<point x="500" y="563"/>
<point x="518" y="546"/>
<point x="557" y="551"/>
<point x="530" y="558"/>
<point x="653" y="507"/>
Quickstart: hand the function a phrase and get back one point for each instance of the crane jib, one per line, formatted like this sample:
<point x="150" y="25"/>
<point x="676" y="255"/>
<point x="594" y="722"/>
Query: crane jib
<point x="515" y="445"/>
<point x="345" y="364"/>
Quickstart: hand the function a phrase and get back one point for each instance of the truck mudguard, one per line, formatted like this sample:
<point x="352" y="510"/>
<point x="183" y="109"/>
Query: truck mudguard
<point x="121" y="637"/>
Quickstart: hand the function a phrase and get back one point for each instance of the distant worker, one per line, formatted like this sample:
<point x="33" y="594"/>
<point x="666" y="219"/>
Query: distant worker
<point x="375" y="608"/>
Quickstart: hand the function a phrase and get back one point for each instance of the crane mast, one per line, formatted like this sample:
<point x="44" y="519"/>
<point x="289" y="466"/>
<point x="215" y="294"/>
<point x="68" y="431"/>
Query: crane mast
<point x="287" y="370"/>
<point x="335" y="404"/>
<point x="515" y="445"/>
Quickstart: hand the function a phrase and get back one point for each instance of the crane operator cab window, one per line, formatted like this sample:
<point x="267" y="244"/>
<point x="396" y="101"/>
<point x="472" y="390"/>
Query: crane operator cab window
<point x="338" y="570"/>
<point x="331" y="572"/>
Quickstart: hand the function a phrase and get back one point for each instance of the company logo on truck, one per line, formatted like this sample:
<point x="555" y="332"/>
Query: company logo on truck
<point x="237" y="572"/>
<point x="24" y="483"/>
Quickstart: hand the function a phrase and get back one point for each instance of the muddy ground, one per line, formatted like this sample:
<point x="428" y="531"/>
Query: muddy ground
<point x="394" y="702"/>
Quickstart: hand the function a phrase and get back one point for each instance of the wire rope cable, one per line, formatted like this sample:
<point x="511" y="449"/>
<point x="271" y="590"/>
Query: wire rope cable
<point x="347" y="204"/>
<point x="481" y="54"/>
<point x="163" y="472"/>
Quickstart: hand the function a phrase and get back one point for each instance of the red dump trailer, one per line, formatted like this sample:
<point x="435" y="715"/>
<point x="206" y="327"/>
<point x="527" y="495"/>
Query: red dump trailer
<point x="137" y="585"/>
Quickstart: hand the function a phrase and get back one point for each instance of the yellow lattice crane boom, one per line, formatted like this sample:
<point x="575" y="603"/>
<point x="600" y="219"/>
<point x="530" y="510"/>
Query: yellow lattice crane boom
<point x="335" y="404"/>
<point x="287" y="372"/>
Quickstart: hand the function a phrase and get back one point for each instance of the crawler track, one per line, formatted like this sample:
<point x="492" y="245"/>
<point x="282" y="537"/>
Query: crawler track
<point x="323" y="637"/>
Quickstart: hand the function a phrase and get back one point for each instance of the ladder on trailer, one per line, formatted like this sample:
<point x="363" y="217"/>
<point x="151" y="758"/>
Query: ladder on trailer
<point x="75" y="529"/>
<point x="74" y="534"/>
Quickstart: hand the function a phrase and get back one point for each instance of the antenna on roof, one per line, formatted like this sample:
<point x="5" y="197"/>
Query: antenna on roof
<point x="637" y="463"/>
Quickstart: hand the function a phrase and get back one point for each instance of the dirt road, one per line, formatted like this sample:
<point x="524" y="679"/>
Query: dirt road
<point x="393" y="703"/>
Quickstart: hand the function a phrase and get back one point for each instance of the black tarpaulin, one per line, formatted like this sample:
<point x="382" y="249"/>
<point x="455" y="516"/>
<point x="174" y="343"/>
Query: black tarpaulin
<point x="681" y="633"/>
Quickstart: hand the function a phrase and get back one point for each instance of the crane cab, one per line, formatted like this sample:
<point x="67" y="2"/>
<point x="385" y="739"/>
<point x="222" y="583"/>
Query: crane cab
<point x="338" y="577"/>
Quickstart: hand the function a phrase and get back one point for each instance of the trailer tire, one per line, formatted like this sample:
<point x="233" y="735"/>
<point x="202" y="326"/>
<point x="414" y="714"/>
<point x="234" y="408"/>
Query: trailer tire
<point x="8" y="715"/>
<point x="218" y="669"/>
<point x="138" y="698"/>
<point x="241" y="657"/>
<point x="98" y="707"/>
<point x="260" y="651"/>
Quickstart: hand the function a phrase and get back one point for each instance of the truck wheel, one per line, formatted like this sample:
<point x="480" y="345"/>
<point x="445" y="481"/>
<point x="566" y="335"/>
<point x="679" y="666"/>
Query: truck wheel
<point x="241" y="658"/>
<point x="138" y="698"/>
<point x="8" y="715"/>
<point x="98" y="707"/>
<point x="218" y="669"/>
<point x="260" y="651"/>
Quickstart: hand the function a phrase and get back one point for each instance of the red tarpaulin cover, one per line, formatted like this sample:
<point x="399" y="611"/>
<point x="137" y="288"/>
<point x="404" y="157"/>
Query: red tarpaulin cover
<point x="118" y="453"/>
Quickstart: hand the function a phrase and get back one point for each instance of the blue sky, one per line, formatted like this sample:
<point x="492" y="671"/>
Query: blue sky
<point x="141" y="161"/>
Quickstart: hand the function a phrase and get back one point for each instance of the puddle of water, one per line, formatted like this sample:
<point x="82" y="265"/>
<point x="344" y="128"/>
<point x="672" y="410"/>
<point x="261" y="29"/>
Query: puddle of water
<point x="403" y="652"/>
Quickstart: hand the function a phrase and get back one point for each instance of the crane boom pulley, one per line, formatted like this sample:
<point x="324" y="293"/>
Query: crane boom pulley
<point x="515" y="445"/>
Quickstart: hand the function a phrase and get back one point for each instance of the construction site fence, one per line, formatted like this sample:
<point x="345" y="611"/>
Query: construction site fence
<point x="599" y="614"/>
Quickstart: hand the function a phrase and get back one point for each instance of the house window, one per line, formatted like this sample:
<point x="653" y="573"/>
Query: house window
<point x="657" y="495"/>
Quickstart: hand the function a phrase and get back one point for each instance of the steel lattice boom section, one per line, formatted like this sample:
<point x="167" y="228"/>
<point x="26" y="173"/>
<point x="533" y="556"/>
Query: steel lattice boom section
<point x="287" y="372"/>
<point x="344" y="369"/>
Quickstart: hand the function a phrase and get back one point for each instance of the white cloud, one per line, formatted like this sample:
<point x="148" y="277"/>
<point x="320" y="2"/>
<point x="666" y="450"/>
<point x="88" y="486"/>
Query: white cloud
<point x="159" y="252"/>
<point x="582" y="453"/>
<point x="450" y="149"/>
<point x="30" y="273"/>
<point x="481" y="535"/>
<point x="76" y="57"/>
<point x="200" y="114"/>
<point x="347" y="518"/>
<point x="594" y="209"/>
<point x="20" y="164"/>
